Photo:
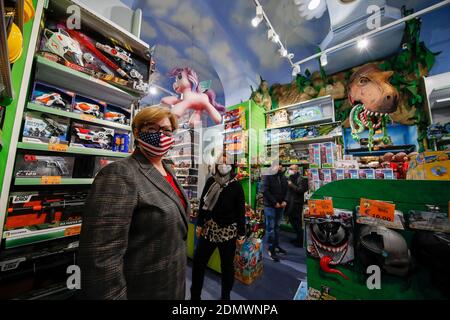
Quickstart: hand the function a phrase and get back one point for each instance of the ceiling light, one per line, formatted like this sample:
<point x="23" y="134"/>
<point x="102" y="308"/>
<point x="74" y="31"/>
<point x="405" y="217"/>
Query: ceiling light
<point x="272" y="36"/>
<point x="291" y="56"/>
<point x="153" y="91"/>
<point x="283" y="52"/>
<point x="313" y="4"/>
<point x="296" y="70"/>
<point x="323" y="60"/>
<point x="363" y="43"/>
<point x="259" y="16"/>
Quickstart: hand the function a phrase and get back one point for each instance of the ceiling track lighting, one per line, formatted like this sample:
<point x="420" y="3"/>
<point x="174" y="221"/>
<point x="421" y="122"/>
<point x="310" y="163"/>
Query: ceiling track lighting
<point x="259" y="16"/>
<point x="283" y="52"/>
<point x="323" y="60"/>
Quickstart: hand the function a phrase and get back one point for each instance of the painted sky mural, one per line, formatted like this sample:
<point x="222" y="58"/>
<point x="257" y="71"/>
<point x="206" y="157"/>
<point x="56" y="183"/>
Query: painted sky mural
<point x="215" y="38"/>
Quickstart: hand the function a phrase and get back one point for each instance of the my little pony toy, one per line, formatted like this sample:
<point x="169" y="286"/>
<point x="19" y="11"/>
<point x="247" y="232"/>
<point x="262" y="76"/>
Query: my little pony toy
<point x="193" y="97"/>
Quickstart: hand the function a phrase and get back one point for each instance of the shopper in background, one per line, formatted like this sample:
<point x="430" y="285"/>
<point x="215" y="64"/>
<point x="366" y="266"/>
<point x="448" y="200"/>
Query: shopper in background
<point x="275" y="192"/>
<point x="297" y="186"/>
<point x="220" y="224"/>
<point x="133" y="238"/>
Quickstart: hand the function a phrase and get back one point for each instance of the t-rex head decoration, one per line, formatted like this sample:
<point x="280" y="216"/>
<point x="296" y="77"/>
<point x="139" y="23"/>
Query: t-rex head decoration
<point x="370" y="86"/>
<point x="373" y="98"/>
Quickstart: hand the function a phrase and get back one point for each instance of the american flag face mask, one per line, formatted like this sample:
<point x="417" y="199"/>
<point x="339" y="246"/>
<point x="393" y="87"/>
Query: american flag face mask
<point x="155" y="144"/>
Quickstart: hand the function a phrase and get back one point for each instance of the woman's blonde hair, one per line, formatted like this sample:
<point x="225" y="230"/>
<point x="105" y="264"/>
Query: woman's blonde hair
<point x="152" y="115"/>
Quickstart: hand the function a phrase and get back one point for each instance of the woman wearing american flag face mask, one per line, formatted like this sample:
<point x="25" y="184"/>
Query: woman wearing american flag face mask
<point x="133" y="239"/>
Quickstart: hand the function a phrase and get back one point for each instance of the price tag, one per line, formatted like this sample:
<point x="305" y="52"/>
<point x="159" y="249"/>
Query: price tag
<point x="58" y="147"/>
<point x="51" y="180"/>
<point x="87" y="117"/>
<point x="320" y="208"/>
<point x="72" y="231"/>
<point x="377" y="209"/>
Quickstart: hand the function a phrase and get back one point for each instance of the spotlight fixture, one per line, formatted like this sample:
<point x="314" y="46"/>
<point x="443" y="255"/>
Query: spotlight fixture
<point x="323" y="60"/>
<point x="363" y="43"/>
<point x="259" y="16"/>
<point x="290" y="56"/>
<point x="296" y="70"/>
<point x="313" y="4"/>
<point x="153" y="91"/>
<point x="283" y="52"/>
<point x="272" y="36"/>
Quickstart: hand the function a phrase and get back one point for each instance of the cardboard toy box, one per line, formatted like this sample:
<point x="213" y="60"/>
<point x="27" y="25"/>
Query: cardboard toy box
<point x="249" y="261"/>
<point x="117" y="114"/>
<point x="329" y="154"/>
<point x="429" y="165"/>
<point x="366" y="173"/>
<point x="37" y="166"/>
<point x="45" y="128"/>
<point x="314" y="155"/>
<point x="51" y="96"/>
<point x="89" y="136"/>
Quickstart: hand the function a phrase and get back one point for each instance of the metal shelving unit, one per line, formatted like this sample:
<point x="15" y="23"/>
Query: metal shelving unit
<point x="324" y="138"/>
<point x="303" y="104"/>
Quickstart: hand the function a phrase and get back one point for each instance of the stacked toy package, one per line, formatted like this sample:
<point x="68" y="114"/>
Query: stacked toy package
<point x="51" y="96"/>
<point x="90" y="136"/>
<point x="37" y="166"/>
<point x="45" y="128"/>
<point x="430" y="166"/>
<point x="248" y="261"/>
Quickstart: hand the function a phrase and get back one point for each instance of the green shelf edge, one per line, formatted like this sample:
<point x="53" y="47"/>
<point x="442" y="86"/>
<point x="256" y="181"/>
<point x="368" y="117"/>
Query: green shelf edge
<point x="64" y="181"/>
<point x="320" y="122"/>
<point x="61" y="68"/>
<point x="73" y="150"/>
<point x="307" y="141"/>
<point x="76" y="116"/>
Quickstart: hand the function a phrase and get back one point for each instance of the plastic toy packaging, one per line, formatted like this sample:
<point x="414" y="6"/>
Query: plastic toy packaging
<point x="233" y="115"/>
<point x="430" y="166"/>
<point x="386" y="174"/>
<point x="278" y="118"/>
<point x="315" y="155"/>
<point x="117" y="115"/>
<point x="398" y="223"/>
<point x="36" y="208"/>
<point x="306" y="115"/>
<point x="329" y="154"/>
<point x="121" y="142"/>
<point x="89" y="136"/>
<point x="45" y="128"/>
<point x="367" y="174"/>
<point x="51" y="96"/>
<point x="37" y="166"/>
<point x="89" y="106"/>
<point x="429" y="221"/>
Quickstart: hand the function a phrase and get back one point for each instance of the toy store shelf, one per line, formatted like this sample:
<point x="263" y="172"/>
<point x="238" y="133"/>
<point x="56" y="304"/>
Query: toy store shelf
<point x="73" y="115"/>
<point x="307" y="140"/>
<point x="6" y="88"/>
<point x="64" y="181"/>
<point x="76" y="150"/>
<point x="289" y="163"/>
<point x="22" y="237"/>
<point x="312" y="102"/>
<point x="109" y="29"/>
<point x="301" y="124"/>
<point x="361" y="152"/>
<point x="59" y="75"/>
<point x="187" y="144"/>
<point x="232" y="131"/>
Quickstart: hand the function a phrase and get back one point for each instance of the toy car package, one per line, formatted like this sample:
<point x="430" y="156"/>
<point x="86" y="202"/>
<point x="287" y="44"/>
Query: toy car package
<point x="398" y="223"/>
<point x="431" y="221"/>
<point x="90" y="136"/>
<point x="37" y="166"/>
<point x="51" y="96"/>
<point x="45" y="128"/>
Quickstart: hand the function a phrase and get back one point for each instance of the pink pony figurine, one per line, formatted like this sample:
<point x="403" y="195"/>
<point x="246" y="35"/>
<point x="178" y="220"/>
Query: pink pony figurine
<point x="187" y="85"/>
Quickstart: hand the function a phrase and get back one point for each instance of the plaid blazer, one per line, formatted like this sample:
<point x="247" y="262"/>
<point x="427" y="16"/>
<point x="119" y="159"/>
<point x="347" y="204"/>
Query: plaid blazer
<point x="133" y="237"/>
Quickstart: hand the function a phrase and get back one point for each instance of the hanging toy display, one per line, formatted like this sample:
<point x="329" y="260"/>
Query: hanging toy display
<point x="196" y="96"/>
<point x="373" y="98"/>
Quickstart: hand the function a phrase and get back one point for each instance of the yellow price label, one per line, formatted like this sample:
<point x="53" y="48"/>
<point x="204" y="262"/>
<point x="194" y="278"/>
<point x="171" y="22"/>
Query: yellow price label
<point x="377" y="209"/>
<point x="320" y="208"/>
<point x="87" y="117"/>
<point x="58" y="147"/>
<point x="48" y="180"/>
<point x="72" y="231"/>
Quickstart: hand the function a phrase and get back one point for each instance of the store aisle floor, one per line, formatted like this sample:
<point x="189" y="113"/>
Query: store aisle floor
<point x="280" y="280"/>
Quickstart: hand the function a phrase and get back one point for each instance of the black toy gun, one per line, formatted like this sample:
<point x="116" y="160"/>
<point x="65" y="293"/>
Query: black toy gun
<point x="50" y="162"/>
<point x="54" y="127"/>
